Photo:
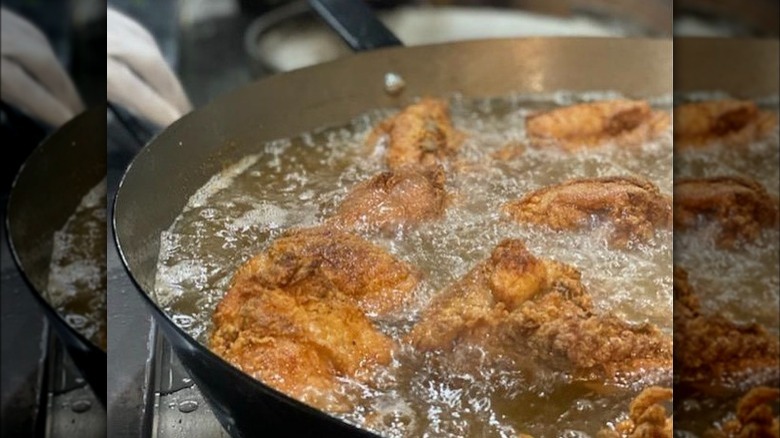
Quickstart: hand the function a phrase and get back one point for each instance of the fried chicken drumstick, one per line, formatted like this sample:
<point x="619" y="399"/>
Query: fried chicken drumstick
<point x="588" y="125"/>
<point x="732" y="122"/>
<point x="634" y="206"/>
<point x="295" y="315"/>
<point x="420" y="139"/>
<point x="420" y="135"/>
<point x="741" y="206"/>
<point x="516" y="304"/>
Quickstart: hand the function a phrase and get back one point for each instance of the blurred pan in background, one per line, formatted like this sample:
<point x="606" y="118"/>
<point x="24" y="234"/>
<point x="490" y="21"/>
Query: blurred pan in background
<point x="56" y="227"/>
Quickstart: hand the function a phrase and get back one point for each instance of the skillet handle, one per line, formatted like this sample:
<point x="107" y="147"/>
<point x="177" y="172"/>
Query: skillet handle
<point x="356" y="23"/>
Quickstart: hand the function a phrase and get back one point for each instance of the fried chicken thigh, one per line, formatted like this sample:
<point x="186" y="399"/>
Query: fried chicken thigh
<point x="588" y="125"/>
<point x="393" y="200"/>
<point x="420" y="135"/>
<point x="741" y="206"/>
<point x="515" y="304"/>
<point x="732" y="122"/>
<point x="634" y="206"/>
<point x="324" y="258"/>
<point x="297" y="343"/>
<point x="711" y="349"/>
<point x="295" y="315"/>
<point x="647" y="417"/>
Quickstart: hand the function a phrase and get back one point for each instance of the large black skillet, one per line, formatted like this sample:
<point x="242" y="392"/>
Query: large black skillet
<point x="45" y="193"/>
<point x="166" y="172"/>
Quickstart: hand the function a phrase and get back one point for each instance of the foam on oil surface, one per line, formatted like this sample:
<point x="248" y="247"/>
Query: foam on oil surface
<point x="298" y="182"/>
<point x="77" y="272"/>
<point x="742" y="283"/>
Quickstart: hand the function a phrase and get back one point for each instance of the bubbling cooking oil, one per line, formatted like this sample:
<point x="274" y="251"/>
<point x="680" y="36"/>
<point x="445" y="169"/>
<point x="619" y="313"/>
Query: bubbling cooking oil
<point x="76" y="285"/>
<point x="742" y="283"/>
<point x="298" y="182"/>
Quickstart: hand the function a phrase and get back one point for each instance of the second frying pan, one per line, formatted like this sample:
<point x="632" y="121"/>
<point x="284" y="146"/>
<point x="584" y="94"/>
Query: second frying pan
<point x="47" y="190"/>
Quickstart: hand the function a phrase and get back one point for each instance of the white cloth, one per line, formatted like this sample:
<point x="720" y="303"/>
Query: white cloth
<point x="137" y="76"/>
<point x="33" y="80"/>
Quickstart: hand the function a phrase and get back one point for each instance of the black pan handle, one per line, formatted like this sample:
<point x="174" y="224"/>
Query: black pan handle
<point x="356" y="23"/>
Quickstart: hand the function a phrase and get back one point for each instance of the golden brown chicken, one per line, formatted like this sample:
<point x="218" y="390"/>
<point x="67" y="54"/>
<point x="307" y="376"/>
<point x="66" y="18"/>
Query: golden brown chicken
<point x="299" y="344"/>
<point x="647" y="417"/>
<point x="731" y="122"/>
<point x="755" y="417"/>
<point x="517" y="305"/>
<point x="420" y="135"/>
<point x="711" y="349"/>
<point x="327" y="258"/>
<point x="741" y="206"/>
<point x="294" y="316"/>
<point x="634" y="206"/>
<point x="394" y="200"/>
<point x="588" y="125"/>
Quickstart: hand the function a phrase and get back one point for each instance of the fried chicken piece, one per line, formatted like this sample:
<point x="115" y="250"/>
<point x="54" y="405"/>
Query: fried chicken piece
<point x="754" y="417"/>
<point x="294" y="317"/>
<point x="421" y="135"/>
<point x="394" y="200"/>
<point x="710" y="348"/>
<point x="589" y="125"/>
<point x="325" y="258"/>
<point x="634" y="206"/>
<point x="299" y="344"/>
<point x="516" y="304"/>
<point x="470" y="308"/>
<point x="741" y="206"/>
<point x="647" y="416"/>
<point x="732" y="122"/>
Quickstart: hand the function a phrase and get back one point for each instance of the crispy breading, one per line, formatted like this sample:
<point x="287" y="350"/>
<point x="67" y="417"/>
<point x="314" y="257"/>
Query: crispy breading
<point x="755" y="417"/>
<point x="731" y="122"/>
<point x="647" y="417"/>
<point x="295" y="315"/>
<point x="711" y="349"/>
<point x="420" y="135"/>
<point x="588" y="125"/>
<point x="516" y="304"/>
<point x="741" y="206"/>
<point x="634" y="206"/>
<point x="330" y="259"/>
<point x="298" y="343"/>
<point x="394" y="200"/>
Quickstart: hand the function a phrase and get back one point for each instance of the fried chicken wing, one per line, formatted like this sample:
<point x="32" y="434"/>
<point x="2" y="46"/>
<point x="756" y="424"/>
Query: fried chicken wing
<point x="741" y="206"/>
<point x="421" y="135"/>
<point x="710" y="348"/>
<point x="647" y="417"/>
<point x="588" y="125"/>
<point x="294" y="316"/>
<point x="732" y="122"/>
<point x="516" y="304"/>
<point x="634" y="206"/>
<point x="394" y="200"/>
<point x="754" y="417"/>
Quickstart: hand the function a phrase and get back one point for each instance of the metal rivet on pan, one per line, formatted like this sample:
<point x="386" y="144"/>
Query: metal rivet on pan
<point x="188" y="406"/>
<point x="80" y="406"/>
<point x="394" y="83"/>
